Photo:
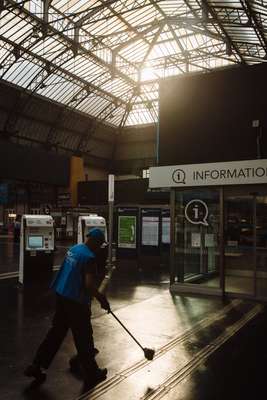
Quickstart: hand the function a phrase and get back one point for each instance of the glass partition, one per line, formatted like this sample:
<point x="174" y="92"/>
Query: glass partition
<point x="196" y="226"/>
<point x="239" y="249"/>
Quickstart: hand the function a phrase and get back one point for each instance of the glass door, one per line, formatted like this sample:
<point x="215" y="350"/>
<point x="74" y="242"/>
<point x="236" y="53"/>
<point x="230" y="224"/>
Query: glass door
<point x="239" y="249"/>
<point x="196" y="226"/>
<point x="220" y="241"/>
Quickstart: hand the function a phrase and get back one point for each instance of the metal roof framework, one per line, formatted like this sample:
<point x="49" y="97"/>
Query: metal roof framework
<point x="105" y="57"/>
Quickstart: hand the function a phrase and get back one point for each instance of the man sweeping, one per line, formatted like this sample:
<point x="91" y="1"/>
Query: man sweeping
<point x="75" y="286"/>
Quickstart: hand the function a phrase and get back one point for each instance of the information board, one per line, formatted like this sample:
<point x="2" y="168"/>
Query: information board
<point x="127" y="232"/>
<point x="150" y="231"/>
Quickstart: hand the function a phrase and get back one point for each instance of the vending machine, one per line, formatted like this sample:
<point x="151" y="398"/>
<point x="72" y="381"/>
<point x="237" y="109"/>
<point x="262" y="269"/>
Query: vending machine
<point x="87" y="222"/>
<point x="37" y="246"/>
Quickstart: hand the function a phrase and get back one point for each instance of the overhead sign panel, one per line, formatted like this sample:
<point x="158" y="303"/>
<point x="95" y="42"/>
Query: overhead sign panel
<point x="225" y="173"/>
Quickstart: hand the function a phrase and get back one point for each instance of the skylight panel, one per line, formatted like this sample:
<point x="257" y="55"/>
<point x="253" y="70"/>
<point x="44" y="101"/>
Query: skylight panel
<point x="119" y="43"/>
<point x="22" y="72"/>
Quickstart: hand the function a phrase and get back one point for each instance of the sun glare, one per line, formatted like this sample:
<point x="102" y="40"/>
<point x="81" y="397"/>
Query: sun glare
<point x="147" y="74"/>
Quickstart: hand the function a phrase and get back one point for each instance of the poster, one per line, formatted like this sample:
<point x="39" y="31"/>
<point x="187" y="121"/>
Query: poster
<point x="150" y="231"/>
<point x="166" y="230"/>
<point x="127" y="232"/>
<point x="195" y="240"/>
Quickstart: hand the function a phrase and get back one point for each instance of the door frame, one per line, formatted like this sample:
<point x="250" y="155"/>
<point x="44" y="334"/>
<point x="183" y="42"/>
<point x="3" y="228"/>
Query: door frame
<point x="181" y="287"/>
<point x="252" y="191"/>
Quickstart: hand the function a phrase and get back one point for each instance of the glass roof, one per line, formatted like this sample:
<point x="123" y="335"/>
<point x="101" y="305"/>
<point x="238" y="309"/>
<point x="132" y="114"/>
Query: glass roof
<point x="106" y="57"/>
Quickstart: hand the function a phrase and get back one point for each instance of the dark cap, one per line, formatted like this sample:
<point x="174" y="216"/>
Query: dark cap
<point x="97" y="234"/>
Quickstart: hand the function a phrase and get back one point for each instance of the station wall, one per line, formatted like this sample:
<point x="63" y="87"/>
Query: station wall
<point x="135" y="149"/>
<point x="21" y="163"/>
<point x="132" y="191"/>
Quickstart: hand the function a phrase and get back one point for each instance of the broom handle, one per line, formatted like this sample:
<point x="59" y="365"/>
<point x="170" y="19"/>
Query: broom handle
<point x="124" y="327"/>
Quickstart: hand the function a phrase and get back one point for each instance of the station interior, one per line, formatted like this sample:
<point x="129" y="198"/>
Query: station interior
<point x="143" y="122"/>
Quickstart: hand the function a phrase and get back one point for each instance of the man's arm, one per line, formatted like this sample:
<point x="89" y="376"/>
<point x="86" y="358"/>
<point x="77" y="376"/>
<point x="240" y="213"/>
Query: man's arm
<point x="90" y="285"/>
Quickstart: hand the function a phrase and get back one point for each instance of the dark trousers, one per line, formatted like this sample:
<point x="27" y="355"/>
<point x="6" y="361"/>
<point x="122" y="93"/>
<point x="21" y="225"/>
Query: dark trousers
<point x="77" y="317"/>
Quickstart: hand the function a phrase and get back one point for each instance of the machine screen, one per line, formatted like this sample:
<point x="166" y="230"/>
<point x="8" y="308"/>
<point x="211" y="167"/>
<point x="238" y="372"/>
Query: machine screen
<point x="36" y="242"/>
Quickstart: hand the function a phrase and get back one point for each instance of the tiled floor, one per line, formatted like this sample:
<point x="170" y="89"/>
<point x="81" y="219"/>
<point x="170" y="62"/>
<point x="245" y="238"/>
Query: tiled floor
<point x="206" y="348"/>
<point x="9" y="254"/>
<point x="183" y="331"/>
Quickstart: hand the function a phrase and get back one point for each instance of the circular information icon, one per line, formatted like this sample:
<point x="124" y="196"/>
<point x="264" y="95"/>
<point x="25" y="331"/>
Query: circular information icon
<point x="196" y="212"/>
<point x="178" y="176"/>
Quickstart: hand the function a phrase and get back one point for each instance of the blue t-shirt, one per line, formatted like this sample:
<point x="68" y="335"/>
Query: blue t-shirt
<point x="70" y="279"/>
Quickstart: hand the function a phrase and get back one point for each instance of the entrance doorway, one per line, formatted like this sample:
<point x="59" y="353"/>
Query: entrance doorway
<point x="196" y="252"/>
<point x="219" y="240"/>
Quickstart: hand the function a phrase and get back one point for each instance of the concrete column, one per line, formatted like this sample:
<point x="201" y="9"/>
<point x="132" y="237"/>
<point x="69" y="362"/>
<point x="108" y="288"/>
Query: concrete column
<point x="76" y="175"/>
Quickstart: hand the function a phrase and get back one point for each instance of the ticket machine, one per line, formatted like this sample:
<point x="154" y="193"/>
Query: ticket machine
<point x="85" y="224"/>
<point x="88" y="222"/>
<point x="37" y="245"/>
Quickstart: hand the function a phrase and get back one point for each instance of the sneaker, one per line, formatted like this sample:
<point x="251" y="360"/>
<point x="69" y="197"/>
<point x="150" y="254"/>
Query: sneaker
<point x="95" y="378"/>
<point x="34" y="371"/>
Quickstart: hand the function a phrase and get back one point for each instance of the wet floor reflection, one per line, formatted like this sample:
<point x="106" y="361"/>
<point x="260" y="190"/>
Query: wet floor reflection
<point x="9" y="254"/>
<point x="157" y="319"/>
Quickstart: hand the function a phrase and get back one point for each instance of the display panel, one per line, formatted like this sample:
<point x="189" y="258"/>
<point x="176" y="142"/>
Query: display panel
<point x="150" y="231"/>
<point x="213" y="117"/>
<point x="35" y="242"/>
<point x="127" y="232"/>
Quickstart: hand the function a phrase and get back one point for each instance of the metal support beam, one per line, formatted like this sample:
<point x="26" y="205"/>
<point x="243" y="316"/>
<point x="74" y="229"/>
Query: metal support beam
<point x="259" y="30"/>
<point x="210" y="10"/>
<point x="35" y="84"/>
<point x="120" y="127"/>
<point x="92" y="12"/>
<point x="59" y="68"/>
<point x="70" y="43"/>
<point x="154" y="26"/>
<point x="93" y="125"/>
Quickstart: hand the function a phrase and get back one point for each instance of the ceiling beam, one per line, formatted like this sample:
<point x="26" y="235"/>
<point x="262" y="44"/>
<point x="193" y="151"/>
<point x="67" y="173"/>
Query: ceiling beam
<point x="256" y="26"/>
<point x="69" y="42"/>
<point x="55" y="67"/>
<point x="226" y="37"/>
